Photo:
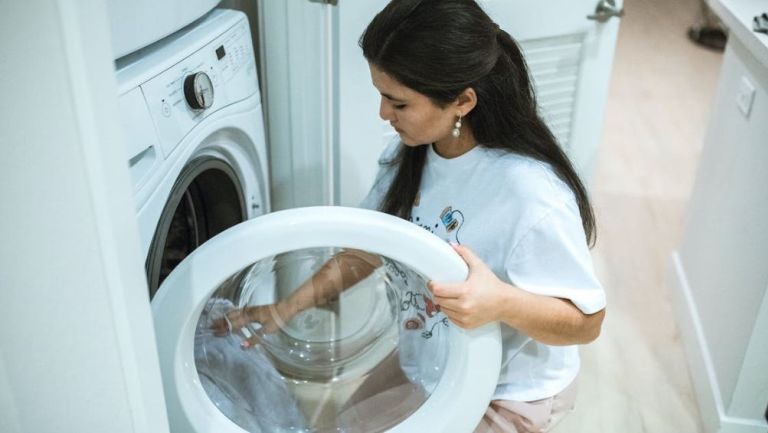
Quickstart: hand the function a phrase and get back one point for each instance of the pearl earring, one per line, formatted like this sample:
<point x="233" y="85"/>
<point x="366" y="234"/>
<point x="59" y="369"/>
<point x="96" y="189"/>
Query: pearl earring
<point x="457" y="128"/>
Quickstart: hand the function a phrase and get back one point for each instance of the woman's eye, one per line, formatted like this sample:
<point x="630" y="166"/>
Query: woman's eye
<point x="398" y="106"/>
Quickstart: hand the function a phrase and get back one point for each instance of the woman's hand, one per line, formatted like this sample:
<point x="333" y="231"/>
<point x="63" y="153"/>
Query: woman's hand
<point x="475" y="301"/>
<point x="483" y="298"/>
<point x="271" y="318"/>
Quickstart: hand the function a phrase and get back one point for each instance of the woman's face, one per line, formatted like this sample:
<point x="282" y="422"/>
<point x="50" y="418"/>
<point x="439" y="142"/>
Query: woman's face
<point x="413" y="115"/>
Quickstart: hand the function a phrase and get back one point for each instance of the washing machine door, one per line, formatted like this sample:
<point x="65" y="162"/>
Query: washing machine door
<point x="370" y="355"/>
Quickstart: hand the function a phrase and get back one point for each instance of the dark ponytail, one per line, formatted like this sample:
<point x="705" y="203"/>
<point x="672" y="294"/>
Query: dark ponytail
<point x="440" y="48"/>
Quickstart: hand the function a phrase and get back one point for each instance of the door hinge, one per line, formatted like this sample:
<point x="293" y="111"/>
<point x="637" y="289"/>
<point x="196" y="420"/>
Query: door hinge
<point x="605" y="10"/>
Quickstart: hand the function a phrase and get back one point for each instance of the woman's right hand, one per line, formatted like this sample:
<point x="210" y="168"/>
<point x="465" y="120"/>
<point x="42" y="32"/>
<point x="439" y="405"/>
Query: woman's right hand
<point x="271" y="318"/>
<point x="336" y="275"/>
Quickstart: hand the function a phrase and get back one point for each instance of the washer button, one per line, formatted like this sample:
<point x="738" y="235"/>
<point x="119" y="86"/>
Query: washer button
<point x="166" y="109"/>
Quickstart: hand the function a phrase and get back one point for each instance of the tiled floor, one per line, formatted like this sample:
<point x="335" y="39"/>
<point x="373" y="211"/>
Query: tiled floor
<point x="635" y="377"/>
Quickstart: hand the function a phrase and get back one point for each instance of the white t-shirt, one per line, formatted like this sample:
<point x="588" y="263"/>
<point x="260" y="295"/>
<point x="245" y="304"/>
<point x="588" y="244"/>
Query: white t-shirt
<point x="523" y="222"/>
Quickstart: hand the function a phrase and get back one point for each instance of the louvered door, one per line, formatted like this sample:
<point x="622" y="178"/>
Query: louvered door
<point x="569" y="56"/>
<point x="554" y="64"/>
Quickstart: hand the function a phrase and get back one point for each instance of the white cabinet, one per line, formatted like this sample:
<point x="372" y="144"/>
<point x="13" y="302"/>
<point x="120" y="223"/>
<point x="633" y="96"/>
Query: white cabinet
<point x="721" y="266"/>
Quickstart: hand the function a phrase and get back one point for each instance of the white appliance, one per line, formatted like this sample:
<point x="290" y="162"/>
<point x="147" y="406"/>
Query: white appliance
<point x="306" y="377"/>
<point x="190" y="104"/>
<point x="191" y="108"/>
<point x="134" y="24"/>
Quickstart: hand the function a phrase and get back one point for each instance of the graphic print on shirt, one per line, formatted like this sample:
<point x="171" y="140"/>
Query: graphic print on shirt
<point x="417" y="311"/>
<point x="417" y="308"/>
<point x="450" y="220"/>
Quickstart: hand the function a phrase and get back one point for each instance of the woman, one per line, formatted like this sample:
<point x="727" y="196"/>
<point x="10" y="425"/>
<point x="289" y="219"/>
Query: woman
<point x="476" y="164"/>
<point x="457" y="90"/>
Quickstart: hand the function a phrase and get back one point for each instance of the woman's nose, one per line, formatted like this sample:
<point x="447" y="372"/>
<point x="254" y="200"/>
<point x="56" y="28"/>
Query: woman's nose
<point x="385" y="111"/>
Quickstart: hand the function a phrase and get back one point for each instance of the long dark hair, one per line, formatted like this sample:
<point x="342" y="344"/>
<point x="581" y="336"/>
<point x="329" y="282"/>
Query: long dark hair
<point x="439" y="48"/>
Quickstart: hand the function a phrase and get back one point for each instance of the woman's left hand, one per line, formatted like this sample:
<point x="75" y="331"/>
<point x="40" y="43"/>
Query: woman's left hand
<point x="475" y="301"/>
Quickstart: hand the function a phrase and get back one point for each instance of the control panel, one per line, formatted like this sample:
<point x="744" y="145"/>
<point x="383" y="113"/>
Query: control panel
<point x="219" y="74"/>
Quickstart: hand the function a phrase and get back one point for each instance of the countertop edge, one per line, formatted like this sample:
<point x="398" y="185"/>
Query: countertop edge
<point x="737" y="15"/>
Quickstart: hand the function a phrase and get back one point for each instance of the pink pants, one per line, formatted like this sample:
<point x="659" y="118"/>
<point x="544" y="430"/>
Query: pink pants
<point x="386" y="392"/>
<point x="503" y="416"/>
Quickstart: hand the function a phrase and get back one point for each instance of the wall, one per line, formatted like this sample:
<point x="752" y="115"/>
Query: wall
<point x="296" y="55"/>
<point x="77" y="350"/>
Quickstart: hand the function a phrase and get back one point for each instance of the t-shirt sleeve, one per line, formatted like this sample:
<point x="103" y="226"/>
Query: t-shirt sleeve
<point x="384" y="176"/>
<point x="377" y="192"/>
<point x="553" y="259"/>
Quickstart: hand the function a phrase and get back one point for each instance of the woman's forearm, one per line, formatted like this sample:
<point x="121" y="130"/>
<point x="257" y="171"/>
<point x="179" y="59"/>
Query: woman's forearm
<point x="553" y="321"/>
<point x="341" y="272"/>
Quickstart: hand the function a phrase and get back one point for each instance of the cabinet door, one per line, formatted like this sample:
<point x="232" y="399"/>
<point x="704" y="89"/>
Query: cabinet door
<point x="569" y="52"/>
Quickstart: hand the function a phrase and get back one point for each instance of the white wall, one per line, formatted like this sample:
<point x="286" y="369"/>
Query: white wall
<point x="361" y="134"/>
<point x="77" y="351"/>
<point x="296" y="44"/>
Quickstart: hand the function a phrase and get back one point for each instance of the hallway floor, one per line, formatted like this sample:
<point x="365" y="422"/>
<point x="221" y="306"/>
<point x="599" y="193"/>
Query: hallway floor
<point x="635" y="377"/>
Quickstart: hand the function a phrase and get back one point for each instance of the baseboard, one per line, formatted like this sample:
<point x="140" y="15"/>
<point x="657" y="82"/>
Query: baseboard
<point x="738" y="425"/>
<point x="696" y="350"/>
<point x="702" y="371"/>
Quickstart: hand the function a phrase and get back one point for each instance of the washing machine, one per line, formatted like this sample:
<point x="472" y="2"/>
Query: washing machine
<point x="191" y="108"/>
<point x="378" y="356"/>
<point x="373" y="355"/>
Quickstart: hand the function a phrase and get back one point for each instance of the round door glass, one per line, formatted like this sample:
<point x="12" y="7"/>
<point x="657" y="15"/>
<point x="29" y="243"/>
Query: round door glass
<point x="321" y="340"/>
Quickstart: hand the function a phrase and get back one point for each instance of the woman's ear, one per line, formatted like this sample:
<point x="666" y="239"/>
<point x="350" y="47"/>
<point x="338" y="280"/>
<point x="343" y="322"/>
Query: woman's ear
<point x="466" y="101"/>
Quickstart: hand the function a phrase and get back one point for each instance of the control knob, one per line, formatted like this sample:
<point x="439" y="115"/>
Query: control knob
<point x="198" y="90"/>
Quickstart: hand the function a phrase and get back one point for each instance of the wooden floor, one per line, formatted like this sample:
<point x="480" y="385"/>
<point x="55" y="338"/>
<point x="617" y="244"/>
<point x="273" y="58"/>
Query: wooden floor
<point x="634" y="377"/>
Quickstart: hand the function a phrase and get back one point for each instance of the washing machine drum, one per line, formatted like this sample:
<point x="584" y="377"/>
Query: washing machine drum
<point x="371" y="354"/>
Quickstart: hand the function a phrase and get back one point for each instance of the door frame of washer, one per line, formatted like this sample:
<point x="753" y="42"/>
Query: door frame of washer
<point x="215" y="137"/>
<point x="471" y="372"/>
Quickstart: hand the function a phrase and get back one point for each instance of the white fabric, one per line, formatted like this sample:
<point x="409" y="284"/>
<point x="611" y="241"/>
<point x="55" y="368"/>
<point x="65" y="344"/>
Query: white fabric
<point x="243" y="384"/>
<point x="524" y="223"/>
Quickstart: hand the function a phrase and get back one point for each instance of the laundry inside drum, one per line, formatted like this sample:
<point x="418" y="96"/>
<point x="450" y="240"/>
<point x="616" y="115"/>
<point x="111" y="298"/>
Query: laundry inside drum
<point x="339" y="341"/>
